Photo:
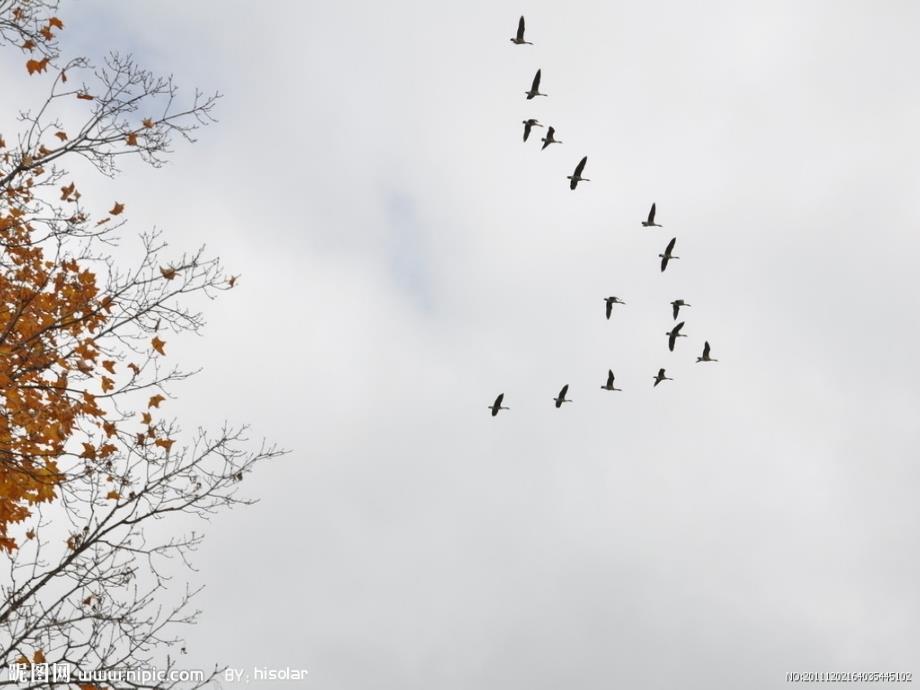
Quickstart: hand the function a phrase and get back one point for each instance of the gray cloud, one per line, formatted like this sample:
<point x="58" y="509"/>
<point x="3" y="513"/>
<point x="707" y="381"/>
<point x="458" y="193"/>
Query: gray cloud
<point x="405" y="258"/>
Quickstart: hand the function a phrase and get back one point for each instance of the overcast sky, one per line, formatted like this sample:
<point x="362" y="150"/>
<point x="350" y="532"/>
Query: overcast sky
<point x="405" y="258"/>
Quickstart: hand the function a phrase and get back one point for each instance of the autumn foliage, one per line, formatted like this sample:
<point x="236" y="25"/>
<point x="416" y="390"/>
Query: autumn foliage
<point x="55" y="312"/>
<point x="87" y="453"/>
<point x="50" y="312"/>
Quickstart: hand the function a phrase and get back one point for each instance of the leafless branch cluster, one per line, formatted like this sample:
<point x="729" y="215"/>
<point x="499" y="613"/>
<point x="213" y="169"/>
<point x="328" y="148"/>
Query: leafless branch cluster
<point x="92" y="587"/>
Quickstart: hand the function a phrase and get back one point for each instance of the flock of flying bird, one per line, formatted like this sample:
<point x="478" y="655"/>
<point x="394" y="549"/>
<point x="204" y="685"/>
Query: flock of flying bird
<point x="666" y="257"/>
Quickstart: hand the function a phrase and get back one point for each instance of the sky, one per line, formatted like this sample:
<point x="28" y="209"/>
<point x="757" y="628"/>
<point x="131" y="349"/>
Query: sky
<point x="405" y="257"/>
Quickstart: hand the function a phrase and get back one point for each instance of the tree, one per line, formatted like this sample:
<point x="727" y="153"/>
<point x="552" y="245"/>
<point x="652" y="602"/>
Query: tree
<point x="87" y="459"/>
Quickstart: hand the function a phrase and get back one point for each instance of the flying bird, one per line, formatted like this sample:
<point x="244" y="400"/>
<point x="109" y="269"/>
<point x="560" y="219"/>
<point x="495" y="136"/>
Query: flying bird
<point x="609" y="385"/>
<point x="548" y="139"/>
<point x="610" y="302"/>
<point x="497" y="405"/>
<point x="660" y="377"/>
<point x="706" y="357"/>
<point x="561" y="399"/>
<point x="650" y="223"/>
<point x="674" y="334"/>
<point x="535" y="87"/>
<point x="576" y="176"/>
<point x="666" y="257"/>
<point x="519" y="37"/>
<point x="528" y="124"/>
<point x="676" y="305"/>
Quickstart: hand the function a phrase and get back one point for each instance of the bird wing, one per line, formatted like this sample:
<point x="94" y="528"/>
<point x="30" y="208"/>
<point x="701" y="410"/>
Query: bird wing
<point x="706" y="349"/>
<point x="580" y="166"/>
<point x="520" y="33"/>
<point x="565" y="389"/>
<point x="527" y="126"/>
<point x="661" y="373"/>
<point x="610" y="378"/>
<point x="536" y="81"/>
<point x="664" y="261"/>
<point x="609" y="308"/>
<point x="498" y="400"/>
<point x="671" y="339"/>
<point x="651" y="214"/>
<point x="670" y="246"/>
<point x="678" y="327"/>
<point x="675" y="308"/>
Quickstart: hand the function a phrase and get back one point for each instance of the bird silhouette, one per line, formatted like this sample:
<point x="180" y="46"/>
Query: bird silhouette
<point x="561" y="399"/>
<point x="535" y="86"/>
<point x="610" y="302"/>
<point x="528" y="124"/>
<point x="705" y="357"/>
<point x="519" y="37"/>
<point x="497" y="405"/>
<point x="650" y="223"/>
<point x="576" y="176"/>
<point x="661" y="377"/>
<point x="667" y="256"/>
<point x="609" y="385"/>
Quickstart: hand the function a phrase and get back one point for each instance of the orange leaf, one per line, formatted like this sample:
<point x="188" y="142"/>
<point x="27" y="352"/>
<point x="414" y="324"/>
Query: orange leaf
<point x="117" y="209"/>
<point x="109" y="366"/>
<point x="140" y="439"/>
<point x="54" y="21"/>
<point x="29" y="45"/>
<point x="148" y="123"/>
<point x="37" y="65"/>
<point x="113" y="495"/>
<point x="83" y="96"/>
<point x="146" y="418"/>
<point x="38" y="657"/>
<point x="30" y="534"/>
<point x="107" y="384"/>
<point x="136" y="369"/>
<point x="61" y="135"/>
<point x="132" y="139"/>
<point x="232" y="280"/>
<point x="89" y="451"/>
<point x="158" y="344"/>
<point x="109" y="429"/>
<point x="168" y="273"/>
<point x="155" y="400"/>
<point x="164" y="443"/>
